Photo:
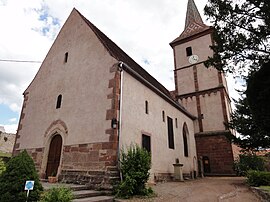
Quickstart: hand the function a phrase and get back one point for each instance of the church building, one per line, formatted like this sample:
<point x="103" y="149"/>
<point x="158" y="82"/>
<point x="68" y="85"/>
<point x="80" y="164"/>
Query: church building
<point x="89" y="100"/>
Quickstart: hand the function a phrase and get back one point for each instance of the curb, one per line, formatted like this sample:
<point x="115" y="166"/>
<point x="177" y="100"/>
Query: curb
<point x="264" y="196"/>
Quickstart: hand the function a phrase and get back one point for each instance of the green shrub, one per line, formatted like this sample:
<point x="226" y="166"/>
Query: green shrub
<point x="135" y="166"/>
<point x="2" y="166"/>
<point x="258" y="178"/>
<point x="59" y="194"/>
<point x="247" y="162"/>
<point x="19" y="169"/>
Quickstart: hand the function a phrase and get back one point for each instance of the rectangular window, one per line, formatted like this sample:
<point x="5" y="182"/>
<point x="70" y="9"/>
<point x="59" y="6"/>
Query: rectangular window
<point x="176" y="124"/>
<point x="189" y="51"/>
<point x="170" y="132"/>
<point x="146" y="142"/>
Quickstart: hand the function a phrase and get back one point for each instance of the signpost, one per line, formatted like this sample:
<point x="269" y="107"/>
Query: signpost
<point x="29" y="185"/>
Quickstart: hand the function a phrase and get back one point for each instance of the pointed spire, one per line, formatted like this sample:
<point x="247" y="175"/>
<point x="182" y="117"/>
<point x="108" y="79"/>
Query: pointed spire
<point x="194" y="23"/>
<point x="193" y="14"/>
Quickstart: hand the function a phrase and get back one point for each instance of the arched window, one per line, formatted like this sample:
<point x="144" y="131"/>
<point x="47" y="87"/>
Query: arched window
<point x="59" y="101"/>
<point x="185" y="139"/>
<point x="146" y="107"/>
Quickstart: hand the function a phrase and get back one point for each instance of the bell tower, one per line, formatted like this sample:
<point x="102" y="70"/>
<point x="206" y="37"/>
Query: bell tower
<point x="203" y="92"/>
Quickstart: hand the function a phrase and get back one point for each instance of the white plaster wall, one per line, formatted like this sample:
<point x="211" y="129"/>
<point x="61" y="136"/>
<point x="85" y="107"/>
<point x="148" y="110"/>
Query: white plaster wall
<point x="82" y="81"/>
<point x="136" y="122"/>
<point x="190" y="105"/>
<point x="211" y="109"/>
<point x="207" y="77"/>
<point x="185" y="81"/>
<point x="200" y="47"/>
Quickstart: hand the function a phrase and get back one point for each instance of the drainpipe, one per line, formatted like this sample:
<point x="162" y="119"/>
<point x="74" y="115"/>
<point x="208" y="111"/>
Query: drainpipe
<point x="120" y="68"/>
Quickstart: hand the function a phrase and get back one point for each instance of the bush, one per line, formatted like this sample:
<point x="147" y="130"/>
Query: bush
<point x="2" y="166"/>
<point x="248" y="162"/>
<point x="258" y="178"/>
<point x="135" y="166"/>
<point x="19" y="169"/>
<point x="59" y="194"/>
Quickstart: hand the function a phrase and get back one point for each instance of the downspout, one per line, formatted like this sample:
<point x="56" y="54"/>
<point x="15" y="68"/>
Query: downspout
<point x="120" y="68"/>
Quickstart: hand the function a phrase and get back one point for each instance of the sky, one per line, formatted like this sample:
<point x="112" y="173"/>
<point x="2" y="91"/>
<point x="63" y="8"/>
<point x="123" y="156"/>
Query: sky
<point x="142" y="28"/>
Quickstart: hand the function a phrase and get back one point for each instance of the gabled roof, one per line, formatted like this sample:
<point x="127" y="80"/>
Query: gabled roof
<point x="194" y="23"/>
<point x="120" y="55"/>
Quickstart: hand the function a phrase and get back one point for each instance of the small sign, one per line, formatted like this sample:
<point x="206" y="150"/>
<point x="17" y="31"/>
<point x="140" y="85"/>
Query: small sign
<point x="29" y="185"/>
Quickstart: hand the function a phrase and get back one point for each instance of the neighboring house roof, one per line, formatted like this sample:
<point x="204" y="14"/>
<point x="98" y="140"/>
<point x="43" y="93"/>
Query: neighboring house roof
<point x="120" y="55"/>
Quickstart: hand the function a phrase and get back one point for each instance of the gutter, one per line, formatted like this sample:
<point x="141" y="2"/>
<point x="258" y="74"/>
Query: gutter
<point x="120" y="68"/>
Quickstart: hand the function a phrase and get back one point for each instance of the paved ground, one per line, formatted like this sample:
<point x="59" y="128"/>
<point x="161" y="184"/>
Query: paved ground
<point x="209" y="189"/>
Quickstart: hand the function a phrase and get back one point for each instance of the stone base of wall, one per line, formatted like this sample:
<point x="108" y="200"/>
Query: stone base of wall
<point x="217" y="147"/>
<point x="168" y="177"/>
<point x="93" y="179"/>
<point x="36" y="154"/>
<point x="93" y="164"/>
<point x="163" y="177"/>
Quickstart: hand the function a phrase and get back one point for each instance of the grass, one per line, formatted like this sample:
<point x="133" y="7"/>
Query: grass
<point x="266" y="188"/>
<point x="2" y="154"/>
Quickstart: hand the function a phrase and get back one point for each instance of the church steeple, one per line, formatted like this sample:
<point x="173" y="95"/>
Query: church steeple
<point x="193" y="14"/>
<point x="193" y="24"/>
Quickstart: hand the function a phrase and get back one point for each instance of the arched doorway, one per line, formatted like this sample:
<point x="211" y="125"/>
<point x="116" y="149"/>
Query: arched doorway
<point x="54" y="156"/>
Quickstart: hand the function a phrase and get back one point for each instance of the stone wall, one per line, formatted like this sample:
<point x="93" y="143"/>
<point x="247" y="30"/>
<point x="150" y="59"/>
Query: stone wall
<point x="218" y="149"/>
<point x="7" y="141"/>
<point x="93" y="164"/>
<point x="37" y="156"/>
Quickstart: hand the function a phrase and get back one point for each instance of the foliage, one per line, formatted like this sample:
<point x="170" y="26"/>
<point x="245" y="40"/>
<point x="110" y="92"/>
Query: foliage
<point x="258" y="95"/>
<point x="252" y="137"/>
<point x="258" y="178"/>
<point x="2" y="166"/>
<point x="242" y="33"/>
<point x="248" y="161"/>
<point x="2" y="154"/>
<point x="19" y="169"/>
<point x="266" y="188"/>
<point x="135" y="166"/>
<point x="60" y="194"/>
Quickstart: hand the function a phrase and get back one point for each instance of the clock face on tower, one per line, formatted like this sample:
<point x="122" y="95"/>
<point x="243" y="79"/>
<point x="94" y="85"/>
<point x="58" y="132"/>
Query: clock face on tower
<point x="193" y="59"/>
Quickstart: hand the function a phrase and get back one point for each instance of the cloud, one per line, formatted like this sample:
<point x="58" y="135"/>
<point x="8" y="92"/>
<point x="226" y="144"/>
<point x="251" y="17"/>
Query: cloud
<point x="11" y="128"/>
<point x="12" y="120"/>
<point x="143" y="29"/>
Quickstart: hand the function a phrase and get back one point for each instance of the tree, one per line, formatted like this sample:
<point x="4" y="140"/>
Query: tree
<point x="242" y="33"/>
<point x="251" y="136"/>
<point x="19" y="169"/>
<point x="258" y="96"/>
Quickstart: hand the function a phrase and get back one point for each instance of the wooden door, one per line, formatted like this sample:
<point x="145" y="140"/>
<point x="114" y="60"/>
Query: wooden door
<point x="54" y="156"/>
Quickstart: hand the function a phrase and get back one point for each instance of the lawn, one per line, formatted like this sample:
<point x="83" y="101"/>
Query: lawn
<point x="266" y="188"/>
<point x="2" y="154"/>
